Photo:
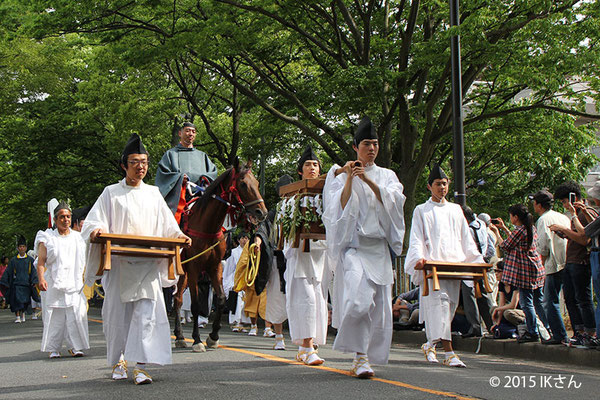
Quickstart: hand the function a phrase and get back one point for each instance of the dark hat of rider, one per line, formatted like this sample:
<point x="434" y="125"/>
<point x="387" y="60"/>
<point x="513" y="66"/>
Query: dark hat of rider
<point x="134" y="146"/>
<point x="21" y="241"/>
<point x="543" y="198"/>
<point x="80" y="213"/>
<point x="308" y="154"/>
<point x="188" y="125"/>
<point x="364" y="131"/>
<point x="436" y="173"/>
<point x="284" y="180"/>
<point x="62" y="205"/>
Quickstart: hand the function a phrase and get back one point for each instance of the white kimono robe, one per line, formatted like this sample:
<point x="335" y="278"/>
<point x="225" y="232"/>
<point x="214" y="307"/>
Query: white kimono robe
<point x="134" y="315"/>
<point x="305" y="298"/>
<point x="237" y="316"/>
<point x="360" y="237"/>
<point x="439" y="232"/>
<point x="64" y="305"/>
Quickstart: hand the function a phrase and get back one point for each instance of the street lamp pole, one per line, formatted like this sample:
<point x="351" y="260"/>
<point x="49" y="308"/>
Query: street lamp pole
<point x="460" y="196"/>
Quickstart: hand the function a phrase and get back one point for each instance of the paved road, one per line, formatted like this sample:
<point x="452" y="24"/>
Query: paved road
<point x="247" y="368"/>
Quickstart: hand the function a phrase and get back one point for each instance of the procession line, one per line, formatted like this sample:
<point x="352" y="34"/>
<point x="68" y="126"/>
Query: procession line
<point x="329" y="369"/>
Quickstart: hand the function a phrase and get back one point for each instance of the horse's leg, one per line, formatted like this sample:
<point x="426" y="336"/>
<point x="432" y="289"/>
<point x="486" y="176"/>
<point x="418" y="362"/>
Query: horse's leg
<point x="177" y="302"/>
<point x="198" y="346"/>
<point x="219" y="294"/>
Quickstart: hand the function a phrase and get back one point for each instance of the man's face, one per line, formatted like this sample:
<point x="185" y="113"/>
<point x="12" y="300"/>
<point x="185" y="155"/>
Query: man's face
<point x="243" y="241"/>
<point x="439" y="188"/>
<point x="63" y="219"/>
<point x="310" y="169"/>
<point x="137" y="167"/>
<point x="539" y="210"/>
<point x="22" y="249"/>
<point x="367" y="150"/>
<point x="187" y="136"/>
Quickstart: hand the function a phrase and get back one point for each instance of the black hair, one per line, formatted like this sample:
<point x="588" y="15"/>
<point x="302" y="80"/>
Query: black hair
<point x="500" y="266"/>
<point x="521" y="212"/>
<point x="563" y="190"/>
<point x="468" y="213"/>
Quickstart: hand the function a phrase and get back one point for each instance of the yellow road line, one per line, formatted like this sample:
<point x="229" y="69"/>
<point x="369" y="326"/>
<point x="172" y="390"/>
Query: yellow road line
<point x="329" y="369"/>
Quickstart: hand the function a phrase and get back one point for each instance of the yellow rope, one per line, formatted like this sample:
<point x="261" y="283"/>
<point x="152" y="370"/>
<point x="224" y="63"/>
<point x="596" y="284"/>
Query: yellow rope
<point x="253" y="262"/>
<point x="96" y="289"/>
<point x="204" y="252"/>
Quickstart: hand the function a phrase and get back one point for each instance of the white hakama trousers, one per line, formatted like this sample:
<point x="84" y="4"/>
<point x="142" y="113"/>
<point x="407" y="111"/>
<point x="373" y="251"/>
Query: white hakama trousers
<point x="437" y="310"/>
<point x="307" y="310"/>
<point x="275" y="311"/>
<point x="239" y="317"/>
<point x="65" y="324"/>
<point x="366" y="315"/>
<point x="138" y="329"/>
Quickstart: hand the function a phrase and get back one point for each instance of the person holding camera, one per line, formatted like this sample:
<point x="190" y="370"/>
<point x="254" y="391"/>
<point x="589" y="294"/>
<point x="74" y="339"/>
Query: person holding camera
<point x="577" y="276"/>
<point x="523" y="267"/>
<point x="364" y="218"/>
<point x="553" y="249"/>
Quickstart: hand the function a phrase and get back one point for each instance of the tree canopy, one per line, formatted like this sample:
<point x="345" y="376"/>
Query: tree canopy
<point x="262" y="78"/>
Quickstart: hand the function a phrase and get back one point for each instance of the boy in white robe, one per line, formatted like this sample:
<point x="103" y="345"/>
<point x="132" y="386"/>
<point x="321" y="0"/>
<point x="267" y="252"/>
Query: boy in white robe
<point x="134" y="315"/>
<point x="439" y="232"/>
<point x="363" y="217"/>
<point x="60" y="268"/>
<point x="306" y="301"/>
<point x="236" y="317"/>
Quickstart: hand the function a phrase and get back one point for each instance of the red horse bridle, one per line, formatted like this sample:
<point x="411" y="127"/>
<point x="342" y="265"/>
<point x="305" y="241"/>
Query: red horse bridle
<point x="235" y="207"/>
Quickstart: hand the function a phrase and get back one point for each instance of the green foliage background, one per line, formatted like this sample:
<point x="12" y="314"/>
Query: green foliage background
<point x="261" y="79"/>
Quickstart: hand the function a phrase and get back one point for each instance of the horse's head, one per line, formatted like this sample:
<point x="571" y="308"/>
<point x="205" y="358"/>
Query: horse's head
<point x="248" y="189"/>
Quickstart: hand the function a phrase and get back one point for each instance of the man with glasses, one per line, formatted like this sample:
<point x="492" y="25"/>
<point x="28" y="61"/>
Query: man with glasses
<point x="134" y="315"/>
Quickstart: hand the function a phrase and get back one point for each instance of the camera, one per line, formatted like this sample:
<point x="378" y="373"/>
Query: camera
<point x="572" y="198"/>
<point x="495" y="221"/>
<point x="357" y="164"/>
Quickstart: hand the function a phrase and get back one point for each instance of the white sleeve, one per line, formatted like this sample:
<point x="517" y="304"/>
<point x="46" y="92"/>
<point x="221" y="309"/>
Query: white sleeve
<point x="392" y="217"/>
<point x="416" y="249"/>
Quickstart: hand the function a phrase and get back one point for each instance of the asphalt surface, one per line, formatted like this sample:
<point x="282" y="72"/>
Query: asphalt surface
<point x="248" y="368"/>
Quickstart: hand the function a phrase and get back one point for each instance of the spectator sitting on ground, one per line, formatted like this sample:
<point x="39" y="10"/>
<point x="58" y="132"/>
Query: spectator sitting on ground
<point x="405" y="310"/>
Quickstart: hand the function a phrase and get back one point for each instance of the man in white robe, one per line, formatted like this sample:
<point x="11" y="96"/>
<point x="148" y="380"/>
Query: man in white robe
<point x="364" y="218"/>
<point x="236" y="317"/>
<point x="60" y="268"/>
<point x="134" y="315"/>
<point x="306" y="301"/>
<point x="439" y="232"/>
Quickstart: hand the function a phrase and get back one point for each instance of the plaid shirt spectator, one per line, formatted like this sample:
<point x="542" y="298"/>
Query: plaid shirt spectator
<point x="523" y="266"/>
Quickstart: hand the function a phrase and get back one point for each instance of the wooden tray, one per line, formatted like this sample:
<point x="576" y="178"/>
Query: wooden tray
<point x="115" y="244"/>
<point x="437" y="270"/>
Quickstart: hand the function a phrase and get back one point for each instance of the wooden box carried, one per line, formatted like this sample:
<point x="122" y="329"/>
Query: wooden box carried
<point x="437" y="270"/>
<point x="316" y="230"/>
<point x="150" y="246"/>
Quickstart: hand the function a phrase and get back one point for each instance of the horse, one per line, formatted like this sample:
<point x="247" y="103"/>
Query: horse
<point x="235" y="191"/>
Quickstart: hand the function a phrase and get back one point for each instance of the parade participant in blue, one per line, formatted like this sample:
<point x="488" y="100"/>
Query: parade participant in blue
<point x="18" y="281"/>
<point x="134" y="316"/>
<point x="439" y="232"/>
<point x="306" y="303"/>
<point x="364" y="219"/>
<point x="60" y="268"/>
<point x="179" y="165"/>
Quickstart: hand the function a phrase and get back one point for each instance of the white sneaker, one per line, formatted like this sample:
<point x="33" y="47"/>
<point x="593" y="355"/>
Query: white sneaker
<point x="454" y="361"/>
<point x="23" y="318"/>
<point x="430" y="353"/>
<point x="18" y="320"/>
<point x="268" y="332"/>
<point x="361" y="368"/>
<point x="141" y="377"/>
<point x="182" y="321"/>
<point x="120" y="370"/>
<point x="253" y="331"/>
<point x="34" y="316"/>
<point x="279" y="345"/>
<point x="55" y="354"/>
<point x="188" y="319"/>
<point x="236" y="328"/>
